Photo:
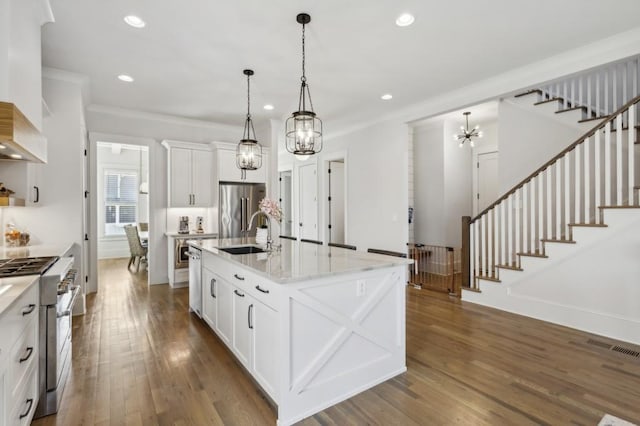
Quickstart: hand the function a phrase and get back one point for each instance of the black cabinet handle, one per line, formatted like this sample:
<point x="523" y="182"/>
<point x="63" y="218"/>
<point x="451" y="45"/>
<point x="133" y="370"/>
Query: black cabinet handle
<point x="26" y="413"/>
<point x="213" y="281"/>
<point x="30" y="309"/>
<point x="249" y="316"/>
<point x="262" y="290"/>
<point x="37" y="198"/>
<point x="29" y="352"/>
<point x="238" y="277"/>
<point x="238" y="293"/>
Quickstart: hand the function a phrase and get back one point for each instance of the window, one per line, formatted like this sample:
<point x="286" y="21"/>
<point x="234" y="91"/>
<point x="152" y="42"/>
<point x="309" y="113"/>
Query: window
<point x="120" y="200"/>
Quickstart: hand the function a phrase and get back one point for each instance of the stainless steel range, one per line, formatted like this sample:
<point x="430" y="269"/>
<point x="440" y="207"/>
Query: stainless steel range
<point x="58" y="291"/>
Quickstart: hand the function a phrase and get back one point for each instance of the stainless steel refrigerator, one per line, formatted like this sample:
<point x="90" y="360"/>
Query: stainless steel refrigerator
<point x="238" y="201"/>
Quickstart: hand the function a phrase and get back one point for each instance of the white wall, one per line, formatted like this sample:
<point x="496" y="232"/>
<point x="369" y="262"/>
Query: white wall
<point x="377" y="185"/>
<point x="527" y="141"/>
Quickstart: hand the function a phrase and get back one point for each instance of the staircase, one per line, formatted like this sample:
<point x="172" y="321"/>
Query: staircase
<point x="564" y="244"/>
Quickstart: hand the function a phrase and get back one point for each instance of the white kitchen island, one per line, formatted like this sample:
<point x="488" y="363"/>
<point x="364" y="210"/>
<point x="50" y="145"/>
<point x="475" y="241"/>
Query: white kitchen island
<point x="313" y="325"/>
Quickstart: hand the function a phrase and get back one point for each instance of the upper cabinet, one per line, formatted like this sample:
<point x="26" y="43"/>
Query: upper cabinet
<point x="228" y="171"/>
<point x="190" y="174"/>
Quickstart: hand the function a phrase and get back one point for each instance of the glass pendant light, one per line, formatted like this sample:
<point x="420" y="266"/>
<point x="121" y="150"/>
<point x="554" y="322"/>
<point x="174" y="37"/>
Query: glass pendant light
<point x="249" y="151"/>
<point x="304" y="128"/>
<point x="467" y="134"/>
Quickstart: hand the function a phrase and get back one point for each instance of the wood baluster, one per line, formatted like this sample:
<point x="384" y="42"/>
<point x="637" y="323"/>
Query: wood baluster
<point x="540" y="188"/>
<point x="505" y="232"/>
<point x="558" y="182"/>
<point x="511" y="256"/>
<point x="607" y="164"/>
<point x="614" y="89"/>
<point x="581" y="83"/>
<point x="525" y="227"/>
<point x="516" y="239"/>
<point x="618" y="160"/>
<point x="565" y="96"/>
<point x="599" y="109"/>
<point x="631" y="154"/>
<point x="535" y="242"/>
<point x="589" y="107"/>
<point x="587" y="181"/>
<point x="606" y="92"/>
<point x="567" y="194"/>
<point x="577" y="184"/>
<point x="490" y="244"/>
<point x="476" y="251"/>
<point x="548" y="204"/>
<point x="597" y="178"/>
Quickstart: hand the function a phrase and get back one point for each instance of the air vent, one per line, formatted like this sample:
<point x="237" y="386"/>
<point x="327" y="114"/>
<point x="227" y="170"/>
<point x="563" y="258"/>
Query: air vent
<point x="626" y="351"/>
<point x="599" y="343"/>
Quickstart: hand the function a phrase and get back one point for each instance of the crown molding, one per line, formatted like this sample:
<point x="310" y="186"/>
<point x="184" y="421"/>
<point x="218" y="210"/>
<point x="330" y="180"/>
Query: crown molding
<point x="144" y="115"/>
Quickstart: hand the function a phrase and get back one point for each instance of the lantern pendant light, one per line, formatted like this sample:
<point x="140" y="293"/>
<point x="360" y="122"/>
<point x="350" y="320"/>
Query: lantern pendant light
<point x="304" y="129"/>
<point x="249" y="151"/>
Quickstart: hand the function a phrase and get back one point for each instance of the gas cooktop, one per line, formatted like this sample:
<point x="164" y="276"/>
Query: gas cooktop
<point x="25" y="266"/>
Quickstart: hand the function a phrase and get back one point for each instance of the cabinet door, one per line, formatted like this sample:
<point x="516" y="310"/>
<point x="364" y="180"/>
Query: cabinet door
<point x="243" y="304"/>
<point x="202" y="163"/>
<point x="224" y="321"/>
<point x="228" y="171"/>
<point x="265" y="346"/>
<point x="180" y="177"/>
<point x="209" y="297"/>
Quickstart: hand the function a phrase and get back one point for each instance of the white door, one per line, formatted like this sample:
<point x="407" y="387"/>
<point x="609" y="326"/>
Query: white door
<point x="201" y="162"/>
<point x="265" y="347"/>
<point x="224" y="322"/>
<point x="209" y="297"/>
<point x="487" y="168"/>
<point x="180" y="179"/>
<point x="308" y="202"/>
<point x="242" y="327"/>
<point x="336" y="202"/>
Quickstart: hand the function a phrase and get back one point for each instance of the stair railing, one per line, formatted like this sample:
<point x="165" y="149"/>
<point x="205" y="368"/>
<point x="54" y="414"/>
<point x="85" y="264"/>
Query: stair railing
<point x="598" y="169"/>
<point x="601" y="90"/>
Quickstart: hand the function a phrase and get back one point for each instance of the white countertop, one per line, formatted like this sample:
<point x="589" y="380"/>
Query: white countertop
<point x="12" y="288"/>
<point x="191" y="235"/>
<point x="297" y="261"/>
<point x="37" y="250"/>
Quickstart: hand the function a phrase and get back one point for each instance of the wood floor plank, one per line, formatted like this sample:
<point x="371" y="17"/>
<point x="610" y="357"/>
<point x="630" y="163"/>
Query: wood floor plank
<point x="139" y="358"/>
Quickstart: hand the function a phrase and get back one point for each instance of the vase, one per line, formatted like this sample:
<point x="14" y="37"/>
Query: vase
<point x="261" y="235"/>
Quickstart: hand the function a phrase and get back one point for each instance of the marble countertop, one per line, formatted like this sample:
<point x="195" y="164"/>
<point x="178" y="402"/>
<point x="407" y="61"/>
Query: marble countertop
<point x="192" y="235"/>
<point x="12" y="288"/>
<point x="37" y="250"/>
<point x="297" y="261"/>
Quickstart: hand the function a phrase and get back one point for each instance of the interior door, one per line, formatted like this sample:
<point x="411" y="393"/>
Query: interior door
<point x="285" y="203"/>
<point x="336" y="202"/>
<point x="308" y="201"/>
<point x="487" y="180"/>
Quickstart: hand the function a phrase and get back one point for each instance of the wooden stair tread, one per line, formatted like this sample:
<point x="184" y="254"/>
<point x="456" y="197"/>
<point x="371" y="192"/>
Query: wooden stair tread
<point x="552" y="240"/>
<point x="571" y="109"/>
<point x="475" y="290"/>
<point x="589" y="225"/>
<point x="542" y="256"/>
<point x="528" y="92"/>
<point x="495" y="280"/>
<point x="620" y="207"/>
<point x="585" y="120"/>
<point x="512" y="268"/>
<point x="613" y="129"/>
<point x="549" y="100"/>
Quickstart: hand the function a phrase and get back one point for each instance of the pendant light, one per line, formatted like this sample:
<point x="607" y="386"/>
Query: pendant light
<point x="304" y="128"/>
<point x="249" y="151"/>
<point x="467" y="134"/>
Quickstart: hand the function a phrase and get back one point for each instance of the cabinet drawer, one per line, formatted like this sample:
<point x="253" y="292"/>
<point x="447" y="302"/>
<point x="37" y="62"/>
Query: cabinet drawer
<point x="16" y="318"/>
<point x="24" y="405"/>
<point x="23" y="355"/>
<point x="259" y="288"/>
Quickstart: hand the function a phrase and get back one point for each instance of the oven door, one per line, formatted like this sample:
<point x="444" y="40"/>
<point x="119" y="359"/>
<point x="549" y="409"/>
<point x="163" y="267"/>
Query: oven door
<point x="181" y="254"/>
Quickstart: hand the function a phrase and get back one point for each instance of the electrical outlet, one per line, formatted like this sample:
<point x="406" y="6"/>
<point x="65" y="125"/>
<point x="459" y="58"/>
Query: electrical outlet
<point x="361" y="288"/>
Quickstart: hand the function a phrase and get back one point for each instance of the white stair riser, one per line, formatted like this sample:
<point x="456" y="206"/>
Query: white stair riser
<point x="549" y="108"/>
<point x="529" y="99"/>
<point x="572" y="116"/>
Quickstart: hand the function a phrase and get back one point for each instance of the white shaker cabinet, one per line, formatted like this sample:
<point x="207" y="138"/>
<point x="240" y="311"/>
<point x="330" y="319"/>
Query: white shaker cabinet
<point x="224" y="322"/>
<point x="228" y="170"/>
<point x="209" y="297"/>
<point x="242" y="328"/>
<point x="190" y="177"/>
<point x="264" y="346"/>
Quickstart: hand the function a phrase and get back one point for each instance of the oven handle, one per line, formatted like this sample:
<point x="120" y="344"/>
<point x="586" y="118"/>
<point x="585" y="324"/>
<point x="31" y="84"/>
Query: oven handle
<point x="67" y="312"/>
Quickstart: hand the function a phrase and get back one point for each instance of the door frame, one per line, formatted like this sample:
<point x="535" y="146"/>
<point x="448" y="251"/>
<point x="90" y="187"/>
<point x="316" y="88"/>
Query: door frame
<point x="156" y="230"/>
<point x="324" y="218"/>
<point x="476" y="184"/>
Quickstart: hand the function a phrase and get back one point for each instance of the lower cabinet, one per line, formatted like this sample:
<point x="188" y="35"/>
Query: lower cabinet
<point x="244" y="323"/>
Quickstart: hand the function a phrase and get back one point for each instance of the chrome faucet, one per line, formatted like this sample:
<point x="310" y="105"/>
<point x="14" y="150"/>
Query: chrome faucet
<point x="269" y="241"/>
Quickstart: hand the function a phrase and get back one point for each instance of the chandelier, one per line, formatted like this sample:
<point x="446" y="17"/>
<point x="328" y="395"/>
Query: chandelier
<point x="304" y="129"/>
<point x="249" y="151"/>
<point x="467" y="134"/>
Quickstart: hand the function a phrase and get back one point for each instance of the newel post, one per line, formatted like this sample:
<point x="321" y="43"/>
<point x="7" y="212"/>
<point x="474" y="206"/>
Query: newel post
<point x="465" y="254"/>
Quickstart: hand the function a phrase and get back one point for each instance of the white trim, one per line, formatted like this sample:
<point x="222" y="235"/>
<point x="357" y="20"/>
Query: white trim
<point x="187" y="145"/>
<point x="324" y="209"/>
<point x="47" y="12"/>
<point x="132" y="113"/>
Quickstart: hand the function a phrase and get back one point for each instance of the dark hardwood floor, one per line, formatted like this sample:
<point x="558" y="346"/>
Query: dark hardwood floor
<point x="139" y="358"/>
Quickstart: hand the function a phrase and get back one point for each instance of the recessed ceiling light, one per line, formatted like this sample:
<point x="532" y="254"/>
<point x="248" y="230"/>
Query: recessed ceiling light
<point x="134" y="21"/>
<point x="126" y="78"/>
<point x="16" y="156"/>
<point x="386" y="96"/>
<point x="268" y="107"/>
<point x="405" y="20"/>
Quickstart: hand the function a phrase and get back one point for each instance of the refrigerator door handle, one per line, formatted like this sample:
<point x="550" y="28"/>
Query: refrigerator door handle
<point x="246" y="218"/>
<point x="242" y="214"/>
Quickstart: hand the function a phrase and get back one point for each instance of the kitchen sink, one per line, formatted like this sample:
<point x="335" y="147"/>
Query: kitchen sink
<point x="242" y="250"/>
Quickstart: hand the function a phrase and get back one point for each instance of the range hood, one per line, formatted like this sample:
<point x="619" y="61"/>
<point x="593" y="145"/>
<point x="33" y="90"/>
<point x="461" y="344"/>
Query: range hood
<point x="19" y="139"/>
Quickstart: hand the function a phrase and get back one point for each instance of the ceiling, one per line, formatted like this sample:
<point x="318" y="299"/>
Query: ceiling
<point x="188" y="60"/>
